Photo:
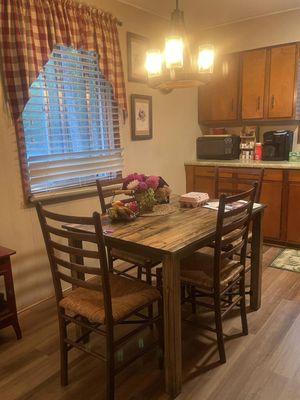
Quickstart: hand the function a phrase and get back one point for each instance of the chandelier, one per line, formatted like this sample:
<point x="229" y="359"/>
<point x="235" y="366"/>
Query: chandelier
<point x="177" y="66"/>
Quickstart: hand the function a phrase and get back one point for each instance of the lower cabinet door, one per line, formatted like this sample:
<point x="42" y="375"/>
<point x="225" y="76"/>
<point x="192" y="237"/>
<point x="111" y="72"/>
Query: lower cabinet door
<point x="205" y="184"/>
<point x="271" y="195"/>
<point x="293" y="213"/>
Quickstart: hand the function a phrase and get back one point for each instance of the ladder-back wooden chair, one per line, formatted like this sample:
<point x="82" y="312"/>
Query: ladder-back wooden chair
<point x="214" y="274"/>
<point x="99" y="304"/>
<point x="144" y="265"/>
<point x="231" y="181"/>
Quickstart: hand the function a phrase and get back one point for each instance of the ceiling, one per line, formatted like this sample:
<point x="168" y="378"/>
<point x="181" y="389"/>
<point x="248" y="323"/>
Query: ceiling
<point x="208" y="13"/>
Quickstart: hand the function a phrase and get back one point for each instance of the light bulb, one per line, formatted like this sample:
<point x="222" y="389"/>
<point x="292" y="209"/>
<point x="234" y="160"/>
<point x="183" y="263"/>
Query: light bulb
<point x="206" y="57"/>
<point x="174" y="52"/>
<point x="154" y="63"/>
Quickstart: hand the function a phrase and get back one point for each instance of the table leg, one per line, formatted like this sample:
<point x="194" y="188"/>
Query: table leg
<point x="256" y="260"/>
<point x="11" y="301"/>
<point x="172" y="325"/>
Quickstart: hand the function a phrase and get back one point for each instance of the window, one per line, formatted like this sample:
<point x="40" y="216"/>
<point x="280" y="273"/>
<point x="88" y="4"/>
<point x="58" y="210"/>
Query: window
<point x="71" y="124"/>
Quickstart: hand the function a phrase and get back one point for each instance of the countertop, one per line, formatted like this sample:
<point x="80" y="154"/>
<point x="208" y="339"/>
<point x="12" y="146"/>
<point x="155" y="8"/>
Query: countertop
<point x="245" y="164"/>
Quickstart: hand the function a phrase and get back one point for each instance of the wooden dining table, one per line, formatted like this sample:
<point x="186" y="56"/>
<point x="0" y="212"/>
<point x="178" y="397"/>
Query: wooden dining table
<point x="171" y="238"/>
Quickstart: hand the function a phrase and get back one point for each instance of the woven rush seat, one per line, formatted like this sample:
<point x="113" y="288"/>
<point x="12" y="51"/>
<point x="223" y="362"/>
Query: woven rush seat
<point x="198" y="269"/>
<point x="126" y="297"/>
<point x="132" y="257"/>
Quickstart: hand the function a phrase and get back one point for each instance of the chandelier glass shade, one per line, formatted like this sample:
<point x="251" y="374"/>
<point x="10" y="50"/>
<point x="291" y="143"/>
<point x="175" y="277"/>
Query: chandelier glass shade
<point x="177" y="66"/>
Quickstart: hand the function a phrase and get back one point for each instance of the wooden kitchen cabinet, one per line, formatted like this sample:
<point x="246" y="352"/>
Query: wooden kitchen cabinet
<point x="280" y="193"/>
<point x="219" y="99"/>
<point x="271" y="195"/>
<point x="253" y="83"/>
<point x="293" y="209"/>
<point x="282" y="81"/>
<point x="266" y="88"/>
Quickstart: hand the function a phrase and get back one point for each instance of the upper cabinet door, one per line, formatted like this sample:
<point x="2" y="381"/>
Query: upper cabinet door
<point x="253" y="83"/>
<point x="227" y="79"/>
<point x="282" y="81"/>
<point x="218" y="100"/>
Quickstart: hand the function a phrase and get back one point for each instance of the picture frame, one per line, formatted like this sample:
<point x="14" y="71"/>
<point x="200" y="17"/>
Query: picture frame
<point x="137" y="47"/>
<point x="141" y="117"/>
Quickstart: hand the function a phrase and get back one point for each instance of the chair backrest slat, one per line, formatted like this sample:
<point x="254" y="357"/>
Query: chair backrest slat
<point x="233" y="236"/>
<point x="236" y="224"/>
<point x="85" y="237"/>
<point x="77" y="267"/>
<point x="74" y="250"/>
<point x="231" y="180"/>
<point x="67" y="219"/>
<point x="237" y="211"/>
<point x="78" y="282"/>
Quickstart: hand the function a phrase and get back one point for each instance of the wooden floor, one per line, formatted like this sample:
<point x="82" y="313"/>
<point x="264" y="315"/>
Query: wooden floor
<point x="264" y="365"/>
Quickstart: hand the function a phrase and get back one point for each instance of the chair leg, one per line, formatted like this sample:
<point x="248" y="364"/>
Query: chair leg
<point x="63" y="352"/>
<point x="243" y="304"/>
<point x="219" y="329"/>
<point x="110" y="261"/>
<point x="149" y="281"/>
<point x="110" y="368"/>
<point x="160" y="329"/>
<point x="182" y="293"/>
<point x="139" y="272"/>
<point x="193" y="298"/>
<point x="17" y="329"/>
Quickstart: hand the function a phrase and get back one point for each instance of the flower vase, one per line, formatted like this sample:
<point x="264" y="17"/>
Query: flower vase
<point x="146" y="200"/>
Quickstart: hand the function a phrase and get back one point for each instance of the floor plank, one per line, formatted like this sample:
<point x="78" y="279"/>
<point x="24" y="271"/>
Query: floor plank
<point x="265" y="365"/>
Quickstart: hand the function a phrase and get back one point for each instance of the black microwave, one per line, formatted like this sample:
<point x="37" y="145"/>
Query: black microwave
<point x="221" y="147"/>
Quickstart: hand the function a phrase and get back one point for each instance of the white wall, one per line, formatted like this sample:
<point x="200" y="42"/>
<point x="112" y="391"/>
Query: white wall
<point x="254" y="33"/>
<point x="175" y="129"/>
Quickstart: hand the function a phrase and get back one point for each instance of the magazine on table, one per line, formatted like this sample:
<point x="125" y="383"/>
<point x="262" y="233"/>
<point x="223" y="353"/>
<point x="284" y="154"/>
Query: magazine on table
<point x="214" y="205"/>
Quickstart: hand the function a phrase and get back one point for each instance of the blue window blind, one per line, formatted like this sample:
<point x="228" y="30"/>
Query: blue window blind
<point x="71" y="124"/>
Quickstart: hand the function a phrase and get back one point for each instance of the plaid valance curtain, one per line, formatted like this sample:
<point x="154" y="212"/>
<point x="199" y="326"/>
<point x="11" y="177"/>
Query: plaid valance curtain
<point x="31" y="28"/>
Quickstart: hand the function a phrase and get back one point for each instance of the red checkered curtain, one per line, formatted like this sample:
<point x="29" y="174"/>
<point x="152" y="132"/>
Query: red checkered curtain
<point x="31" y="28"/>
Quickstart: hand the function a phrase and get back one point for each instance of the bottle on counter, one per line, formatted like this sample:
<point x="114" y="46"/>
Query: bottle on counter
<point x="258" y="151"/>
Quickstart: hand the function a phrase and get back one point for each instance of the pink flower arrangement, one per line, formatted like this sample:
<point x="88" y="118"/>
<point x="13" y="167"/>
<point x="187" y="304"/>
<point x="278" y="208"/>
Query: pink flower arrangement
<point x="141" y="183"/>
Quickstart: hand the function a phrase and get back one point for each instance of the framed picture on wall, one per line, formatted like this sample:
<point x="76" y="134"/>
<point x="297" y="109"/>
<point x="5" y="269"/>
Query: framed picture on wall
<point x="137" y="47"/>
<point x="141" y="117"/>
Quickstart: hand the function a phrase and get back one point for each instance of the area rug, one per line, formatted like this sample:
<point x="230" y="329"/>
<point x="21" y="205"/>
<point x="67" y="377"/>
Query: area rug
<point x="289" y="259"/>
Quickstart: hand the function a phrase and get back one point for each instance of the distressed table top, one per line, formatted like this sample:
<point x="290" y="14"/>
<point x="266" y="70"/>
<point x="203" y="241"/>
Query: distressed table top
<point x="180" y="232"/>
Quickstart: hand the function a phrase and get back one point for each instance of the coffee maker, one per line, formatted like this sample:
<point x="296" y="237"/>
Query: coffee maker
<point x="277" y="145"/>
